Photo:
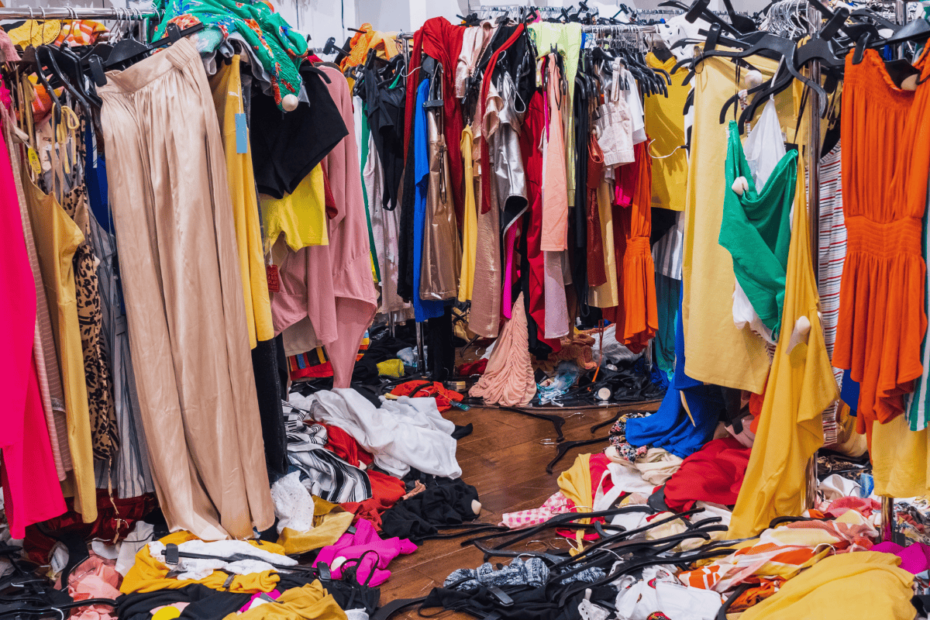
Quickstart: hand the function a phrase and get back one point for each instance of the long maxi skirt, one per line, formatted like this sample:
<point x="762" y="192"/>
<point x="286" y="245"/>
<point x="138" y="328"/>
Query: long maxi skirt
<point x="180" y="273"/>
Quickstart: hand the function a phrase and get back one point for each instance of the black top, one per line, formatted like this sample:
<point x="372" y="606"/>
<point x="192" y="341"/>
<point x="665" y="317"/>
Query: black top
<point x="385" y="109"/>
<point x="286" y="146"/>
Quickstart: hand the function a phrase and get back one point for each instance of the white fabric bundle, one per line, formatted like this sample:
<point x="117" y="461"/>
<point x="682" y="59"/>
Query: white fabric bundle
<point x="408" y="432"/>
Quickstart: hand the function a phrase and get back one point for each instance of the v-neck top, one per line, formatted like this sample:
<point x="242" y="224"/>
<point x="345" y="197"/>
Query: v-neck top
<point x="756" y="230"/>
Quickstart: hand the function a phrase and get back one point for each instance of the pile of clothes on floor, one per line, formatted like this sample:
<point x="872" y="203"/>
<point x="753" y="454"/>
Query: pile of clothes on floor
<point x="368" y="481"/>
<point x="589" y="368"/>
<point x="648" y="529"/>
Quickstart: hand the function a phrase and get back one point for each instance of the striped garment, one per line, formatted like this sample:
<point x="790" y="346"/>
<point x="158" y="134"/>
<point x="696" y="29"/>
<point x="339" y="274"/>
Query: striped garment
<point x="131" y="467"/>
<point x="916" y="406"/>
<point x="323" y="473"/>
<point x="667" y="251"/>
<point x="783" y="552"/>
<point x="832" y="255"/>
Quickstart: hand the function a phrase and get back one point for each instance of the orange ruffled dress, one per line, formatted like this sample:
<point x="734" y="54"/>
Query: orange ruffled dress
<point x="637" y="316"/>
<point x="886" y="151"/>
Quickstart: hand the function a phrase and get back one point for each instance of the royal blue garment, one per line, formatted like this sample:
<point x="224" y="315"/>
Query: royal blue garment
<point x="670" y="427"/>
<point x="95" y="173"/>
<point x="422" y="309"/>
<point x="849" y="393"/>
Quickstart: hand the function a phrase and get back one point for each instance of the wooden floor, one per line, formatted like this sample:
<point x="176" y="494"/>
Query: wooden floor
<point x="504" y="459"/>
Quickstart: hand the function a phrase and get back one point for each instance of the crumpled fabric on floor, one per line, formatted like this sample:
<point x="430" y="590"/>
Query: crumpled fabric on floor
<point x="193" y="568"/>
<point x="532" y="572"/>
<point x="425" y="389"/>
<point x="401" y="434"/>
<point x="309" y="602"/>
<point x="509" y="379"/>
<point x="713" y="474"/>
<point x="688" y="415"/>
<point x="359" y="546"/>
<point x="915" y="558"/>
<point x="853" y="585"/>
<point x="783" y="552"/>
<point x="444" y="502"/>
<point x="203" y="603"/>
<point x="95" y="577"/>
<point x="660" y="591"/>
<point x="293" y="504"/>
<point x="556" y="504"/>
<point x="150" y="573"/>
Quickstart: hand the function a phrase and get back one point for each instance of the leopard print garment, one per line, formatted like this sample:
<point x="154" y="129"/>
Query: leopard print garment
<point x="97" y="369"/>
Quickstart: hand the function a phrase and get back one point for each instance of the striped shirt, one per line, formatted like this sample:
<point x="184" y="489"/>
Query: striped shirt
<point x="666" y="253"/>
<point x="323" y="473"/>
<point x="832" y="255"/>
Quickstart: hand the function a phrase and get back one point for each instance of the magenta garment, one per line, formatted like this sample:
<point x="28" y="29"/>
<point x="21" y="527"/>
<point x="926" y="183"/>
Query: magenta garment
<point x="365" y="545"/>
<point x="31" y="492"/>
<point x="915" y="558"/>
<point x="332" y="285"/>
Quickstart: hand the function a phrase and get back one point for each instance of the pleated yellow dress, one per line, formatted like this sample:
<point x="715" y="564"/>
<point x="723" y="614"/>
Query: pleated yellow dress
<point x="800" y="387"/>
<point x="227" y="96"/>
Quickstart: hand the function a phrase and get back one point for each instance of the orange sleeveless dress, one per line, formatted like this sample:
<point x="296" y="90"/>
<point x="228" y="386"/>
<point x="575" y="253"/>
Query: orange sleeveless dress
<point x="886" y="153"/>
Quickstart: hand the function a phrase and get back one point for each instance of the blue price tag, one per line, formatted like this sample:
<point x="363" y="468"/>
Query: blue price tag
<point x="242" y="134"/>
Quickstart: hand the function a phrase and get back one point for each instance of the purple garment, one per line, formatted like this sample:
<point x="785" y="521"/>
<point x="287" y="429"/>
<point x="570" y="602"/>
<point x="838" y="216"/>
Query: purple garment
<point x="915" y="558"/>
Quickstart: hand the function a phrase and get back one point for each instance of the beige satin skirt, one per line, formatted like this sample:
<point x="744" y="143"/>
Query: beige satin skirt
<point x="180" y="275"/>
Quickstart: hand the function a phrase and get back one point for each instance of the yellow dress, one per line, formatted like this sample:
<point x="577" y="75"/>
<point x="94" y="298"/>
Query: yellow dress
<point x="865" y="584"/>
<point x="57" y="238"/>
<point x="899" y="459"/>
<point x="470" y="227"/>
<point x="665" y="126"/>
<point x="300" y="217"/>
<point x="606" y="295"/>
<point x="576" y="484"/>
<point x="717" y="351"/>
<point x="227" y="97"/>
<point x="799" y="388"/>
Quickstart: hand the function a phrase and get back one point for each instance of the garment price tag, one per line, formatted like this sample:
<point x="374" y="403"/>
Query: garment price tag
<point x="242" y="134"/>
<point x="34" y="161"/>
<point x="274" y="283"/>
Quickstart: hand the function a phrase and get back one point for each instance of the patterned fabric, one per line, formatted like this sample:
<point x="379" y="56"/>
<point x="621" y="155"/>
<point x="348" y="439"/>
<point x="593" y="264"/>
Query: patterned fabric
<point x="96" y="357"/>
<point x="365" y="39"/>
<point x="832" y="255"/>
<point x="555" y="505"/>
<point x="80" y="32"/>
<point x="532" y="572"/>
<point x="66" y="178"/>
<point x="666" y="253"/>
<point x="784" y="552"/>
<point x="277" y="46"/>
<point x="323" y="473"/>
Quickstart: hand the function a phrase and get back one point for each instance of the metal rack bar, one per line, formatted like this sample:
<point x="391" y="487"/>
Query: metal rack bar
<point x="67" y="13"/>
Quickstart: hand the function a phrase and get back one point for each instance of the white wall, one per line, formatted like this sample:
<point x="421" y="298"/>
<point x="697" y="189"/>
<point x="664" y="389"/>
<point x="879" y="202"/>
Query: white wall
<point x="389" y="15"/>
